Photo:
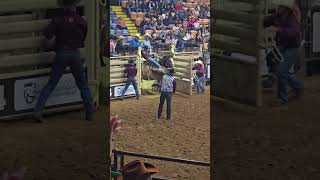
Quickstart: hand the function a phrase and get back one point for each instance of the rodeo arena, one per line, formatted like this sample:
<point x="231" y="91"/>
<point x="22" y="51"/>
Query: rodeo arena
<point x="259" y="48"/>
<point x="165" y="123"/>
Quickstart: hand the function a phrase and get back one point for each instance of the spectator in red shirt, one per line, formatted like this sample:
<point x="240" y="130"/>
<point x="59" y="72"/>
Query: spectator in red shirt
<point x="179" y="6"/>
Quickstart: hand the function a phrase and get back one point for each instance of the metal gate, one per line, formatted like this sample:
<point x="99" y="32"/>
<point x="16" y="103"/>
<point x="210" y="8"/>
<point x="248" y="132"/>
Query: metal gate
<point x="236" y="51"/>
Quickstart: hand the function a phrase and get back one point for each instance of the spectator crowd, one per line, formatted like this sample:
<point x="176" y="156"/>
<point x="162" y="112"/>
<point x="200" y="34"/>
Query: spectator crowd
<point x="166" y="22"/>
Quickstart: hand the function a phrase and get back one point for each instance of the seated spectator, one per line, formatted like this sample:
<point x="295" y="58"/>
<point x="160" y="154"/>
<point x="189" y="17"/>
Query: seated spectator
<point x="130" y="7"/>
<point x="121" y="24"/>
<point x="196" y="25"/>
<point x="191" y="21"/>
<point x="187" y="36"/>
<point x="199" y="37"/>
<point x="168" y="39"/>
<point x="113" y="44"/>
<point x="120" y="48"/>
<point x="176" y="27"/>
<point x="178" y="6"/>
<point x="166" y="21"/>
<point x="146" y="43"/>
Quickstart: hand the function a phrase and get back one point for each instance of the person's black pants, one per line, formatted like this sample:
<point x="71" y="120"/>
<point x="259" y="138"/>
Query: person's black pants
<point x="165" y="96"/>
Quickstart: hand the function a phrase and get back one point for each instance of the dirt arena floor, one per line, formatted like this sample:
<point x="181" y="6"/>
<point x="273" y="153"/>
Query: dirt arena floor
<point x="186" y="138"/>
<point x="269" y="143"/>
<point x="66" y="147"/>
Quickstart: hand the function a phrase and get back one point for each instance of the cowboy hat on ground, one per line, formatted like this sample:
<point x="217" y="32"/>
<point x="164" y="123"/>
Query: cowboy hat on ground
<point x="138" y="170"/>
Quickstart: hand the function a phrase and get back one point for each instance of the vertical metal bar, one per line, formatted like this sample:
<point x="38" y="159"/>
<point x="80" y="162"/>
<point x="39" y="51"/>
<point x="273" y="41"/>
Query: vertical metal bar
<point x="122" y="160"/>
<point x="115" y="160"/>
<point x="260" y="13"/>
<point x="90" y="13"/>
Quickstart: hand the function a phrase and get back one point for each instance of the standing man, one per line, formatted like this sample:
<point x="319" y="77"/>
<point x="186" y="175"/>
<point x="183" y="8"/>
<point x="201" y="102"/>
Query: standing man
<point x="70" y="31"/>
<point x="131" y="72"/>
<point x="286" y="24"/>
<point x="167" y="88"/>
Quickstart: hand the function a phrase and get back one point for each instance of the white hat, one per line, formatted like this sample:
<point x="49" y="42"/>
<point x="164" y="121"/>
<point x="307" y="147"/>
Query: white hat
<point x="147" y="34"/>
<point x="287" y="3"/>
<point x="198" y="62"/>
<point x="137" y="35"/>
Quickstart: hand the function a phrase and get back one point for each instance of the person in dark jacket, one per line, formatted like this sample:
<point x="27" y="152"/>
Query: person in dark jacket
<point x="285" y="23"/>
<point x="120" y="47"/>
<point x="167" y="88"/>
<point x="70" y="31"/>
<point x="180" y="46"/>
<point x="131" y="72"/>
<point x="200" y="79"/>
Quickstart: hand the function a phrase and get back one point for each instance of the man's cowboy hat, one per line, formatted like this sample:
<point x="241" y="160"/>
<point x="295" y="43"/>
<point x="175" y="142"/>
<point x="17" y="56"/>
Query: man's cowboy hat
<point x="68" y="3"/>
<point x="121" y="37"/>
<point x="286" y="3"/>
<point x="147" y="35"/>
<point x="138" y="168"/>
<point x="137" y="35"/>
<point x="198" y="62"/>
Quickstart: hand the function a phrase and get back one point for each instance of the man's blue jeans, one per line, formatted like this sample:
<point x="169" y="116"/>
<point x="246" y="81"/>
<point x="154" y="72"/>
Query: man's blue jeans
<point x="291" y="57"/>
<point x="154" y="62"/>
<point x="64" y="59"/>
<point x="180" y="47"/>
<point x="200" y="84"/>
<point x="165" y="96"/>
<point x="133" y="81"/>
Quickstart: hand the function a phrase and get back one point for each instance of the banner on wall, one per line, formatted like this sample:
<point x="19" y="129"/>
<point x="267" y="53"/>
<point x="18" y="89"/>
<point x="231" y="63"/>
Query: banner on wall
<point x="27" y="91"/>
<point x="116" y="91"/>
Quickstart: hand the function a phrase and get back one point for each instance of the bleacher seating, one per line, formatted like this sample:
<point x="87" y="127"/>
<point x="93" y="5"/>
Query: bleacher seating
<point x="114" y="29"/>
